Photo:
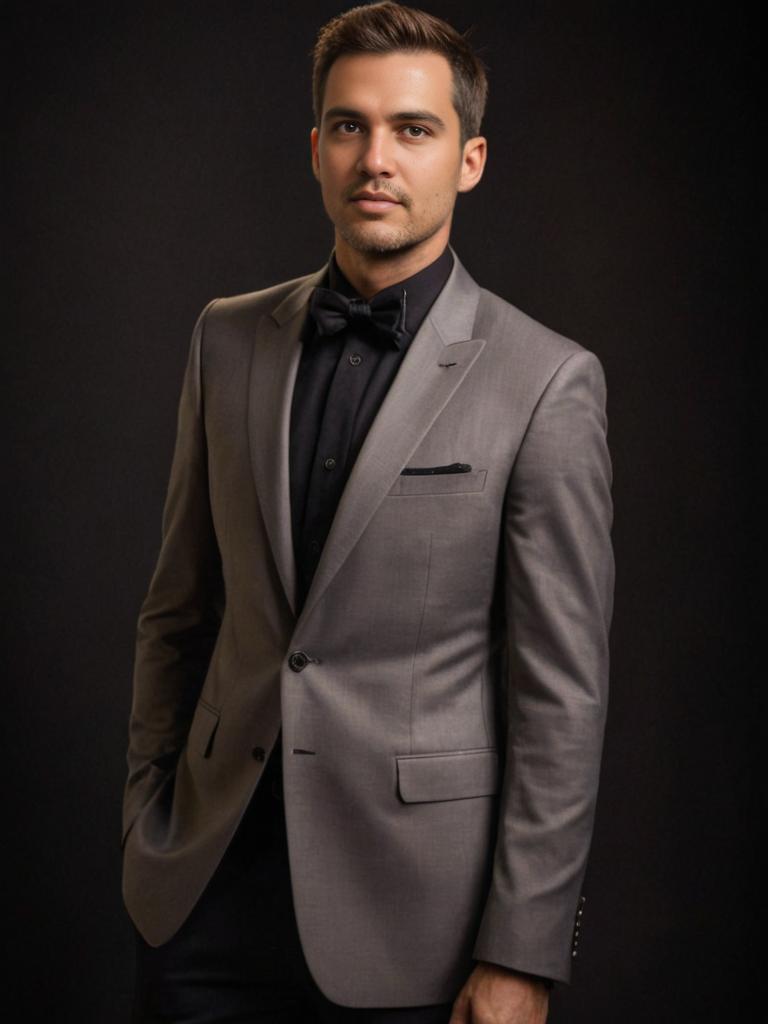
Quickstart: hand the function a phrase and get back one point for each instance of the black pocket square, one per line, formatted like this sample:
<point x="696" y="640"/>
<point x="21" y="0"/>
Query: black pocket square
<point x="454" y="467"/>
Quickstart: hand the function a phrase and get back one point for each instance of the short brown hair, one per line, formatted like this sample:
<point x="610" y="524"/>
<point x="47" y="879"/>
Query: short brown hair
<point x="388" y="27"/>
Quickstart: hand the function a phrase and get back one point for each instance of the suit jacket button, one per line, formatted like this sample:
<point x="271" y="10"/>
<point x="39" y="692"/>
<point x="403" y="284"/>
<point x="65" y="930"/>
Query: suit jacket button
<point x="298" y="660"/>
<point x="258" y="753"/>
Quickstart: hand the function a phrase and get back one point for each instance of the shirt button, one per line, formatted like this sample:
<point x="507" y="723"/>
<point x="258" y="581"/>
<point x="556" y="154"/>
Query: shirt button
<point x="355" y="359"/>
<point x="330" y="462"/>
<point x="258" y="753"/>
<point x="298" y="660"/>
<point x="314" y="546"/>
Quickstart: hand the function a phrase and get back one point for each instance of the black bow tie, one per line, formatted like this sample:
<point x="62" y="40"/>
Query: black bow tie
<point x="385" y="317"/>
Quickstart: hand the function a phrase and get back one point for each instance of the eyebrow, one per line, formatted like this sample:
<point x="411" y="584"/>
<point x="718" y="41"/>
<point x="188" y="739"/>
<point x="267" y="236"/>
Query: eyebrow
<point x="401" y="115"/>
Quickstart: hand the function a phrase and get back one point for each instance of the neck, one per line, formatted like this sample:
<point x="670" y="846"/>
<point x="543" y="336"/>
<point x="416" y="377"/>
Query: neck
<point x="369" y="273"/>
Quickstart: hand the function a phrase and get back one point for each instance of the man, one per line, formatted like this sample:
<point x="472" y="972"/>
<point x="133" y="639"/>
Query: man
<point x="371" y="669"/>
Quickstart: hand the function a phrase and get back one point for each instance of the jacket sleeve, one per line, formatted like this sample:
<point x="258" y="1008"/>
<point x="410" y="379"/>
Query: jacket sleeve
<point x="181" y="613"/>
<point x="558" y="587"/>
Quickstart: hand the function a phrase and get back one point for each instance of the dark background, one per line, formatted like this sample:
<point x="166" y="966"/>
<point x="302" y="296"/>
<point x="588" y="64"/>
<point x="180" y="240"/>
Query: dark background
<point x="160" y="158"/>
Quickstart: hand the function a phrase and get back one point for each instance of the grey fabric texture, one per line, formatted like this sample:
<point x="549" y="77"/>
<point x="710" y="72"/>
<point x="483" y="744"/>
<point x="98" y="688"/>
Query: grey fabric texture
<point x="442" y="741"/>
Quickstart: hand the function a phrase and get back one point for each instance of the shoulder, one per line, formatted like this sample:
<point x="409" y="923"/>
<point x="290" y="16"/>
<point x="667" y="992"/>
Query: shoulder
<point x="250" y="306"/>
<point x="527" y="348"/>
<point x="511" y="335"/>
<point x="520" y="334"/>
<point x="229" y="327"/>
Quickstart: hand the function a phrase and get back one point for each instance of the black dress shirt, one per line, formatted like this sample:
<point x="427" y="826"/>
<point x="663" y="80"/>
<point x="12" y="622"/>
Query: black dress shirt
<point x="341" y="382"/>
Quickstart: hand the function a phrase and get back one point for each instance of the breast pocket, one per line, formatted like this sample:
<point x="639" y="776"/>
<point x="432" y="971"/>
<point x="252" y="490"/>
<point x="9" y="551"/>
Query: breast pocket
<point x="438" y="483"/>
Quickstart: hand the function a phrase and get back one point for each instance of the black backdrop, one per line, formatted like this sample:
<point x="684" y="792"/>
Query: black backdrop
<point x="160" y="157"/>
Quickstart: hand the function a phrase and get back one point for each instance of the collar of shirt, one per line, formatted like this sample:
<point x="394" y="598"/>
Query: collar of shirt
<point x="422" y="289"/>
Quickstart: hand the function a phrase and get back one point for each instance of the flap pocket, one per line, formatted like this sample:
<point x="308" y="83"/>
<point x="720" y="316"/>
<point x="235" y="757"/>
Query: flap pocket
<point x="452" y="775"/>
<point x="439" y="483"/>
<point x="203" y="728"/>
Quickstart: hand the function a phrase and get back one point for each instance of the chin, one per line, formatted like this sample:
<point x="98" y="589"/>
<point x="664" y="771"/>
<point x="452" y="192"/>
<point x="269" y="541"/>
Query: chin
<point x="376" y="242"/>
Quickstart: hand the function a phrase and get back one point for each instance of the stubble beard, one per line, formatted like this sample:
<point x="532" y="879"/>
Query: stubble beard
<point x="396" y="240"/>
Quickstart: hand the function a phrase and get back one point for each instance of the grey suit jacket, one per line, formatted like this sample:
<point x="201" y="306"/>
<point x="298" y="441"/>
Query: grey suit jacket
<point x="448" y="671"/>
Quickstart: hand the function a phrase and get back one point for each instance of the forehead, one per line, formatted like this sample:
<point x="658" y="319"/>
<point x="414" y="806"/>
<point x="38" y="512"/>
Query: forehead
<point x="383" y="83"/>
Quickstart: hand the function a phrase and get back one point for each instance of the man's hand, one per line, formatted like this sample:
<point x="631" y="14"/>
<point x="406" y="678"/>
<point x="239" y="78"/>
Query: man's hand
<point x="498" y="995"/>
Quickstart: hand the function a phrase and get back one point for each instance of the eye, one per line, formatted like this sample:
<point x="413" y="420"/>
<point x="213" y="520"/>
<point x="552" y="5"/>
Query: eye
<point x="416" y="128"/>
<point x="344" y="125"/>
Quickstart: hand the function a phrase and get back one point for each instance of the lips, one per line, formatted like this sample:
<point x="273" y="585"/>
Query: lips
<point x="374" y="202"/>
<point x="376" y="197"/>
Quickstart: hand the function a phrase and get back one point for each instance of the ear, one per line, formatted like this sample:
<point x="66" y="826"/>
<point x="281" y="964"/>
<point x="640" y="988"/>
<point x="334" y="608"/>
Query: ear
<point x="472" y="163"/>
<point x="313" y="141"/>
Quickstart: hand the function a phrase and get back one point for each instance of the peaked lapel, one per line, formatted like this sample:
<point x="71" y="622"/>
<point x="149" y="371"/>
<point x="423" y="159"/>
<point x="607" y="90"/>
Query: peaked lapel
<point x="419" y="392"/>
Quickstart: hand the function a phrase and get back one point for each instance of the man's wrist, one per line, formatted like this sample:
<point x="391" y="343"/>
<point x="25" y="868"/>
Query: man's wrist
<point x="547" y="982"/>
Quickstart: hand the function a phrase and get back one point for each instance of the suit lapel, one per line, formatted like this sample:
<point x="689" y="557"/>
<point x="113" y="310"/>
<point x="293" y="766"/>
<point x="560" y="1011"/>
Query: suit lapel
<point x="421" y="389"/>
<point x="274" y="364"/>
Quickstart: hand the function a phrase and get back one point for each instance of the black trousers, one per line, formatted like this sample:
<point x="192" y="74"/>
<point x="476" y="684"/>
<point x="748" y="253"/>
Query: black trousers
<point x="237" y="959"/>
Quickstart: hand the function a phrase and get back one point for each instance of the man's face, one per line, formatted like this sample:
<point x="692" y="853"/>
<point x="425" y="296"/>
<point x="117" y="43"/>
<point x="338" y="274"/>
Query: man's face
<point x="389" y="126"/>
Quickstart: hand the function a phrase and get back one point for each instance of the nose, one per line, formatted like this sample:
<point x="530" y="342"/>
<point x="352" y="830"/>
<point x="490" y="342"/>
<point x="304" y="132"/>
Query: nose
<point x="376" y="158"/>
